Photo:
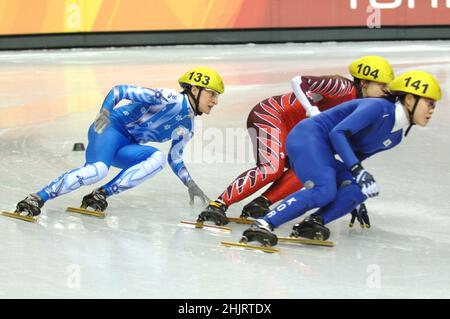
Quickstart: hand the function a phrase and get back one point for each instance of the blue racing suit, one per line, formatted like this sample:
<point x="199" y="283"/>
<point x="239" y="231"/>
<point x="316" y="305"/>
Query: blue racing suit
<point x="148" y="115"/>
<point x="354" y="131"/>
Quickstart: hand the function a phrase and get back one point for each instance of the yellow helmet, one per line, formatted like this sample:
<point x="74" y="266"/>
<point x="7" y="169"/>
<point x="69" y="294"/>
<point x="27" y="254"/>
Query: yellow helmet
<point x="372" y="68"/>
<point x="419" y="83"/>
<point x="203" y="77"/>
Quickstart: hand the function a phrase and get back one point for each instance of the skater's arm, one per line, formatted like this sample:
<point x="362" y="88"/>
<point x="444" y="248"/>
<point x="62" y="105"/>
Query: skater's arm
<point x="175" y="158"/>
<point x="128" y="92"/>
<point x="176" y="163"/>
<point x="132" y="93"/>
<point x="366" y="113"/>
<point x="310" y="89"/>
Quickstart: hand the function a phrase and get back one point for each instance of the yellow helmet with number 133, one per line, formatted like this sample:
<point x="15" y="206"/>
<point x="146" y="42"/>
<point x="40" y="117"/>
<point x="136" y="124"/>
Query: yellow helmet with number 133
<point x="203" y="77"/>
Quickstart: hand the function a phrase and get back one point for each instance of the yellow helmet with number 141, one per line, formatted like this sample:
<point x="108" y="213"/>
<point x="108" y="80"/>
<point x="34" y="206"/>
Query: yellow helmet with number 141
<point x="204" y="77"/>
<point x="419" y="83"/>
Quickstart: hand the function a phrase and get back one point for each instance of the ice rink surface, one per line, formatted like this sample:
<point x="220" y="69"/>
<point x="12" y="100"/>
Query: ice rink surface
<point x="49" y="99"/>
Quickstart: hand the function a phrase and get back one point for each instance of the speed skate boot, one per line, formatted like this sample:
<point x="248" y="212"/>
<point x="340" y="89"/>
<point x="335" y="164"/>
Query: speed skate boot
<point x="257" y="208"/>
<point x="96" y="200"/>
<point x="312" y="228"/>
<point x="261" y="232"/>
<point x="30" y="206"/>
<point x="214" y="212"/>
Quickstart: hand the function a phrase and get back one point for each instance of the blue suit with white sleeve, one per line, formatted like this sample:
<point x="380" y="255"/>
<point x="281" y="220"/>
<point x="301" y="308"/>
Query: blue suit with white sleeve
<point x="354" y="131"/>
<point x="148" y="115"/>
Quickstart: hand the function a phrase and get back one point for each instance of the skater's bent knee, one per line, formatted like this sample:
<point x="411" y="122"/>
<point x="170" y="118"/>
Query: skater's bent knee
<point x="92" y="173"/>
<point x="159" y="158"/>
<point x="156" y="161"/>
<point x="323" y="195"/>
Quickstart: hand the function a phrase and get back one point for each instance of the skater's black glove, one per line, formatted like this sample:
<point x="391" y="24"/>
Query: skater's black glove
<point x="101" y="121"/>
<point x="365" y="181"/>
<point x="360" y="213"/>
<point x="193" y="191"/>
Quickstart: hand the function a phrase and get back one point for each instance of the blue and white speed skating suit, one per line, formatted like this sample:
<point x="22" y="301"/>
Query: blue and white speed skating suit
<point x="151" y="115"/>
<point x="353" y="130"/>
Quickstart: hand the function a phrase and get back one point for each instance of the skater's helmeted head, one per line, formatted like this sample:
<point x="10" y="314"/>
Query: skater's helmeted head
<point x="418" y="91"/>
<point x="372" y="75"/>
<point x="203" y="86"/>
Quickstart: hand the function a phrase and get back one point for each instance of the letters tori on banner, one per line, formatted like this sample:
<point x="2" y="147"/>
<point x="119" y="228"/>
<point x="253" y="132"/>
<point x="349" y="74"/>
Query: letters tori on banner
<point x="397" y="3"/>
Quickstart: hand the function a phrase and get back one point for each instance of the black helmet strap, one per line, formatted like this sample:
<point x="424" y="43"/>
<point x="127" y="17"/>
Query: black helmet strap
<point x="411" y="115"/>
<point x="196" y="99"/>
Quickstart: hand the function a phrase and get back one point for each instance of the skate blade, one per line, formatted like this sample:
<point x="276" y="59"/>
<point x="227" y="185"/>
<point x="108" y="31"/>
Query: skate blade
<point x="362" y="225"/>
<point x="203" y="225"/>
<point x="266" y="249"/>
<point x="305" y="241"/>
<point x="86" y="212"/>
<point x="240" y="220"/>
<point x="29" y="219"/>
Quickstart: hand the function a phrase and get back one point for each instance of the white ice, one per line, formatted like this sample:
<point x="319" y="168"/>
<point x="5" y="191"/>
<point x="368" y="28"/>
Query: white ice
<point x="48" y="100"/>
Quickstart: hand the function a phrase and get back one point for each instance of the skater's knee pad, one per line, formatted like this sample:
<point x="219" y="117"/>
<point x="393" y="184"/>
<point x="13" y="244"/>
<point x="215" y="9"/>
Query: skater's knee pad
<point x="88" y="174"/>
<point x="155" y="162"/>
<point x="138" y="173"/>
<point x="91" y="173"/>
<point x="144" y="169"/>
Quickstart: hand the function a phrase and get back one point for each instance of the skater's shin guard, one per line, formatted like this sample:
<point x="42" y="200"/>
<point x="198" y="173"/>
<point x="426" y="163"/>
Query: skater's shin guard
<point x="136" y="174"/>
<point x="347" y="198"/>
<point x="72" y="180"/>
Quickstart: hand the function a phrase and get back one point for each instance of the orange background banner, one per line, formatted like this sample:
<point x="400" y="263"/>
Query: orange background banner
<point x="61" y="16"/>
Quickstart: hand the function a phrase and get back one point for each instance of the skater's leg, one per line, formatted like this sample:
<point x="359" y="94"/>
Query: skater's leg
<point x="348" y="197"/>
<point x="287" y="184"/>
<point x="312" y="159"/>
<point x="139" y="163"/>
<point x="99" y="155"/>
<point x="268" y="134"/>
<point x="72" y="180"/>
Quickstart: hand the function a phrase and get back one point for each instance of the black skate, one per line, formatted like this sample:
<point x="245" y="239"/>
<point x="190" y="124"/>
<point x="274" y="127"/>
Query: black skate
<point x="261" y="232"/>
<point x="311" y="227"/>
<point x="96" y="200"/>
<point x="30" y="206"/>
<point x="257" y="208"/>
<point x="214" y="212"/>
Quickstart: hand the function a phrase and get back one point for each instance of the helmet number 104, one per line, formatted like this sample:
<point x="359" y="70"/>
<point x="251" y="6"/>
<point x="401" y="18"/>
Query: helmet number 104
<point x="366" y="70"/>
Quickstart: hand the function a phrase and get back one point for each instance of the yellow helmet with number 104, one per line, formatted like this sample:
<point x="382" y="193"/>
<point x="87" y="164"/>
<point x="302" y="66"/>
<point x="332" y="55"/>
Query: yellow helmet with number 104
<point x="372" y="68"/>
<point x="419" y="83"/>
<point x="204" y="77"/>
